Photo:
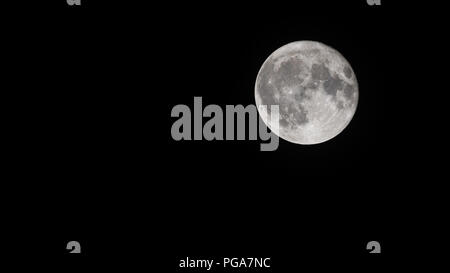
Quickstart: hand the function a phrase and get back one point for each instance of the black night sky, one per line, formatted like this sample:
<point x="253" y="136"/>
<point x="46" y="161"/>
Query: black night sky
<point x="92" y="126"/>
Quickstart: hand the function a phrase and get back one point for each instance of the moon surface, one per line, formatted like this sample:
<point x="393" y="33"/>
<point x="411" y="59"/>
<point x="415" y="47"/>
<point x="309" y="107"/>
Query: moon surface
<point x="315" y="88"/>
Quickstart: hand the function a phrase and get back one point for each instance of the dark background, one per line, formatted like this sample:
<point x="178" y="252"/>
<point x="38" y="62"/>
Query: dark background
<point x="91" y="90"/>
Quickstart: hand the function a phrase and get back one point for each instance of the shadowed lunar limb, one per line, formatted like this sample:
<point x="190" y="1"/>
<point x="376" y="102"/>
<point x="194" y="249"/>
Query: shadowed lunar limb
<point x="315" y="88"/>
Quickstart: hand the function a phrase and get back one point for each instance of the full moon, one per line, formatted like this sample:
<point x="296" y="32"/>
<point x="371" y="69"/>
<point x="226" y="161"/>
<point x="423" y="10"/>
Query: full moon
<point x="315" y="88"/>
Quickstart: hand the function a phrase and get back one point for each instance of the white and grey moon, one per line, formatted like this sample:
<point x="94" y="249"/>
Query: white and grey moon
<point x="315" y="88"/>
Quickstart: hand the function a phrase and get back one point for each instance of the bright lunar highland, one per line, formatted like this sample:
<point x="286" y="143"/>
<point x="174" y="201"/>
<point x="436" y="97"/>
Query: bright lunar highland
<point x="315" y="88"/>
